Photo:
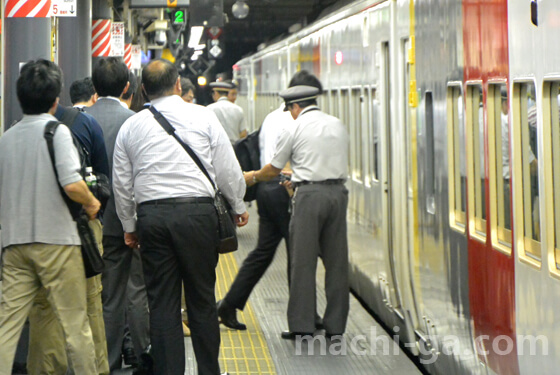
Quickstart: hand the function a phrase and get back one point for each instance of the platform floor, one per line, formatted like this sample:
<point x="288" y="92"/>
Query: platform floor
<point x="367" y="349"/>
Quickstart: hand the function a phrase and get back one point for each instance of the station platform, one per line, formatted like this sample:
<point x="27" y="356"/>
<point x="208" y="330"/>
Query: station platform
<point x="366" y="348"/>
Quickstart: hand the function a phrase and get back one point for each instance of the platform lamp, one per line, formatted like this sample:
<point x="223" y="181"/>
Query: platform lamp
<point x="240" y="9"/>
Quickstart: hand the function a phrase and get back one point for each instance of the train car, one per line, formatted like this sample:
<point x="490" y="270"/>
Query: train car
<point x="452" y="109"/>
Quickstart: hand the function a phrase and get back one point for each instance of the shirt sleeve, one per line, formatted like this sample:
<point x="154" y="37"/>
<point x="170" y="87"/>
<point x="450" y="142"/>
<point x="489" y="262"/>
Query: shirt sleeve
<point x="123" y="187"/>
<point x="284" y="146"/>
<point x="229" y="176"/>
<point x="66" y="156"/>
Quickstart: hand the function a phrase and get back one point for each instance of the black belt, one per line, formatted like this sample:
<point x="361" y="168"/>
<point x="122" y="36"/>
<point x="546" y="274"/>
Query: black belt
<point x="179" y="200"/>
<point x="338" y="181"/>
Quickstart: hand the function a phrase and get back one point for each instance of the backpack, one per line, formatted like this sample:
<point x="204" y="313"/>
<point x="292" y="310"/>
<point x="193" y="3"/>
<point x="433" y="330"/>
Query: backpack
<point x="248" y="154"/>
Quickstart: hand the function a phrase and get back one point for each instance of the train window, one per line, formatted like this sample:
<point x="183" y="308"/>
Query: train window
<point x="476" y="160"/>
<point x="357" y="127"/>
<point x="527" y="212"/>
<point x="374" y="135"/>
<point x="551" y="151"/>
<point x="457" y="158"/>
<point x="344" y="116"/>
<point x="430" y="150"/>
<point x="335" y="104"/>
<point x="499" y="167"/>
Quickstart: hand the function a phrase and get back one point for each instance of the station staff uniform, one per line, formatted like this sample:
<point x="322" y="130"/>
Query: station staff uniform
<point x="230" y="115"/>
<point x="177" y="222"/>
<point x="317" y="147"/>
<point x="274" y="219"/>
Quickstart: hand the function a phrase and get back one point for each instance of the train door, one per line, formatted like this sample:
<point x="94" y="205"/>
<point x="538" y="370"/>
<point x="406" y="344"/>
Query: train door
<point x="391" y="288"/>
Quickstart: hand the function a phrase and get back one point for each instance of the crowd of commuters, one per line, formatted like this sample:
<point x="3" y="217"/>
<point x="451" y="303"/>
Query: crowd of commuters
<point x="157" y="232"/>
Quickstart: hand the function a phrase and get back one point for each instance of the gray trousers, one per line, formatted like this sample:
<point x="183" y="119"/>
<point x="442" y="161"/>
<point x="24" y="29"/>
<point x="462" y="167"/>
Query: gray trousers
<point x="318" y="229"/>
<point x="122" y="263"/>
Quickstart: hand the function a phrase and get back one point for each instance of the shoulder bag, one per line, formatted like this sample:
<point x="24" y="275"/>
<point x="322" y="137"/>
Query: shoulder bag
<point x="226" y="226"/>
<point x="93" y="261"/>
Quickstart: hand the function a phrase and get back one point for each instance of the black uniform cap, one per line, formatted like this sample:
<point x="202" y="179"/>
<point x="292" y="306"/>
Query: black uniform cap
<point x="299" y="94"/>
<point x="222" y="86"/>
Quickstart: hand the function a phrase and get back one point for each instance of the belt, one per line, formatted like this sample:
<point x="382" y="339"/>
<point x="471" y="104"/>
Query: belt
<point x="190" y="200"/>
<point x="338" y="181"/>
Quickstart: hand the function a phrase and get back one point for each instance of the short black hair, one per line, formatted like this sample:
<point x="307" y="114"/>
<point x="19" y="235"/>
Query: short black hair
<point x="133" y="86"/>
<point x="304" y="78"/>
<point x="186" y="85"/>
<point x="81" y="90"/>
<point x="38" y="86"/>
<point x="158" y="78"/>
<point x="110" y="76"/>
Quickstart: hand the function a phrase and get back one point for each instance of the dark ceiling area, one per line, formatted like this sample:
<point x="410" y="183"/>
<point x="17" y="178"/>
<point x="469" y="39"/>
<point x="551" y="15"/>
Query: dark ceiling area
<point x="267" y="21"/>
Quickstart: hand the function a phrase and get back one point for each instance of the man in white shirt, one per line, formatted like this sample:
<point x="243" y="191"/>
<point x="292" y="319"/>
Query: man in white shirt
<point x="317" y="148"/>
<point x="274" y="221"/>
<point x="177" y="221"/>
<point x="230" y="115"/>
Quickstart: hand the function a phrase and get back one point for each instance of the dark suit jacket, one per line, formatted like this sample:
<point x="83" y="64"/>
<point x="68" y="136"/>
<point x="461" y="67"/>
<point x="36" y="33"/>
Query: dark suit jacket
<point x="110" y="114"/>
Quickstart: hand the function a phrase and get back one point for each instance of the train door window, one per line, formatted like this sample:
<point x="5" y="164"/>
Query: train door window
<point x="373" y="127"/>
<point x="499" y="167"/>
<point x="356" y="102"/>
<point x="344" y="116"/>
<point x="335" y="104"/>
<point x="430" y="153"/>
<point x="527" y="212"/>
<point x="551" y="151"/>
<point x="457" y="158"/>
<point x="476" y="160"/>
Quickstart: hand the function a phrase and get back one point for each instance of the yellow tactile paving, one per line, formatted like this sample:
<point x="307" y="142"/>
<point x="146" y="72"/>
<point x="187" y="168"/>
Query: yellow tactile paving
<point x="242" y="352"/>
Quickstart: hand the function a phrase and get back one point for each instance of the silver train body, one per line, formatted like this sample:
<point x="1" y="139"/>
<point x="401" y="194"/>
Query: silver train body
<point x="390" y="70"/>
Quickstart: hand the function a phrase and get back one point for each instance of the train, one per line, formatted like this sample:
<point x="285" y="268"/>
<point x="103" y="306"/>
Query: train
<point x="452" y="107"/>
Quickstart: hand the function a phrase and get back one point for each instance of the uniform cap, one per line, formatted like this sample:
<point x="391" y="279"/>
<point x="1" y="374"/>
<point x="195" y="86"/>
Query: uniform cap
<point x="222" y="86"/>
<point x="299" y="94"/>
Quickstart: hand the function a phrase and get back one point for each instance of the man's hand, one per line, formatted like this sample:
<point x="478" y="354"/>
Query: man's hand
<point x="92" y="208"/>
<point x="131" y="240"/>
<point x="242" y="220"/>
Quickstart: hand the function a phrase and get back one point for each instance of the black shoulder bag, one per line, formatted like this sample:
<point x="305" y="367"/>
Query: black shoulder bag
<point x="93" y="261"/>
<point x="226" y="225"/>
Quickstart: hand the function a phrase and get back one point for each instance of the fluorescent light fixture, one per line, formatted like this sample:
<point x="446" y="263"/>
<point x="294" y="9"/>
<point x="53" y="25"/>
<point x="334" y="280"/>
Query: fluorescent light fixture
<point x="196" y="34"/>
<point x="194" y="57"/>
<point x="200" y="47"/>
<point x="197" y="53"/>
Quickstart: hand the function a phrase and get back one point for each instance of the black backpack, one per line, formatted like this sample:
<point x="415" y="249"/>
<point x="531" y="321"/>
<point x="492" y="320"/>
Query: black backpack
<point x="248" y="154"/>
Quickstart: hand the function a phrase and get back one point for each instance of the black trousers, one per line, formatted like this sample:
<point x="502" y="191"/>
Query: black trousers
<point x="178" y="244"/>
<point x="274" y="221"/>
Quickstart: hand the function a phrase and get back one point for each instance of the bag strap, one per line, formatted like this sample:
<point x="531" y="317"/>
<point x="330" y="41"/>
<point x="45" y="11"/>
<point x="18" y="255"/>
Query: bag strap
<point x="69" y="116"/>
<point x="171" y="131"/>
<point x="50" y="129"/>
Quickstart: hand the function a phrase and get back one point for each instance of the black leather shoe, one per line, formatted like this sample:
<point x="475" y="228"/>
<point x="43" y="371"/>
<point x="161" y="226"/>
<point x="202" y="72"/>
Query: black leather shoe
<point x="289" y="335"/>
<point x="146" y="363"/>
<point x="334" y="336"/>
<point x="129" y="357"/>
<point x="228" y="316"/>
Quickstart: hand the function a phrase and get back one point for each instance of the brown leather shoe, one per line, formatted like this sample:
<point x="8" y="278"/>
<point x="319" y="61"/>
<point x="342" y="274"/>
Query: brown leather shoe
<point x="228" y="316"/>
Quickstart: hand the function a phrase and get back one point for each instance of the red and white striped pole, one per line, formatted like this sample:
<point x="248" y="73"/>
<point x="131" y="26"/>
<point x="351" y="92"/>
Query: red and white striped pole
<point x="100" y="38"/>
<point x="27" y="8"/>
<point x="128" y="55"/>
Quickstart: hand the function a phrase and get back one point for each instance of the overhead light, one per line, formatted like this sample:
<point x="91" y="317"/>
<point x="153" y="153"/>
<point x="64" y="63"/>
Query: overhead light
<point x="240" y="9"/>
<point x="194" y="57"/>
<point x="200" y="47"/>
<point x="202" y="81"/>
<point x="196" y="34"/>
<point x="197" y="53"/>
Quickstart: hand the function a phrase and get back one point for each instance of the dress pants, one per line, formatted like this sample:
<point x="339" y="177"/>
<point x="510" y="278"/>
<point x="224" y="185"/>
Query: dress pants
<point x="318" y="229"/>
<point x="178" y="244"/>
<point x="47" y="349"/>
<point x="60" y="270"/>
<point x="274" y="220"/>
<point x="119" y="267"/>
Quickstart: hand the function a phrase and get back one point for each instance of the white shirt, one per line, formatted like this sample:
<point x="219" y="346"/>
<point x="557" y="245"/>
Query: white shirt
<point x="150" y="164"/>
<point x="316" y="145"/>
<point x="271" y="129"/>
<point x="231" y="117"/>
